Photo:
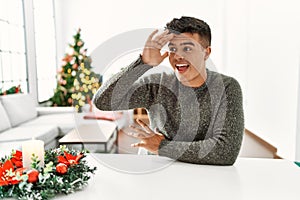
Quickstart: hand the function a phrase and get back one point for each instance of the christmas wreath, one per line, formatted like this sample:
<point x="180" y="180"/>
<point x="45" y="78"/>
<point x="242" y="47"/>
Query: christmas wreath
<point x="65" y="171"/>
<point x="12" y="90"/>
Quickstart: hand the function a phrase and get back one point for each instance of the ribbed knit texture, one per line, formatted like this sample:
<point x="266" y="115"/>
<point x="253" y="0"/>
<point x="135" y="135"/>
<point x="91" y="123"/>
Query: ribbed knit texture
<point x="203" y="125"/>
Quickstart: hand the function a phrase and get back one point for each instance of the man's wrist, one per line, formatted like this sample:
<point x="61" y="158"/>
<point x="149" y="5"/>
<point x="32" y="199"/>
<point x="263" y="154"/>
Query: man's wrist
<point x="145" y="62"/>
<point x="162" y="145"/>
<point x="142" y="61"/>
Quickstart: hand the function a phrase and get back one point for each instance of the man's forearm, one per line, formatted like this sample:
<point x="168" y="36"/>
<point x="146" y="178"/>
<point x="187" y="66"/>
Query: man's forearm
<point x="210" y="151"/>
<point x="115" y="93"/>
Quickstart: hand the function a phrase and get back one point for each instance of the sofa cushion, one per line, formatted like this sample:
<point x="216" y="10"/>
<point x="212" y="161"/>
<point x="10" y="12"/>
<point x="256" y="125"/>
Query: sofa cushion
<point x="17" y="134"/>
<point x="4" y="120"/>
<point x="54" y="110"/>
<point x="19" y="108"/>
<point x="64" y="121"/>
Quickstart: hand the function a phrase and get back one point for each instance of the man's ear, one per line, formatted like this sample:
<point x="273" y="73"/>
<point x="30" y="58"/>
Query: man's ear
<point x="207" y="52"/>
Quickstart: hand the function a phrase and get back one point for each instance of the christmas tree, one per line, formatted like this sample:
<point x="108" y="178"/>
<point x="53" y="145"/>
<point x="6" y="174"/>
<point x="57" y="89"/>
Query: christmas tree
<point x="76" y="83"/>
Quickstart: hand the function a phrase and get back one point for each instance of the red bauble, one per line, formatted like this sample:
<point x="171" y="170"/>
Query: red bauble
<point x="33" y="176"/>
<point x="61" y="168"/>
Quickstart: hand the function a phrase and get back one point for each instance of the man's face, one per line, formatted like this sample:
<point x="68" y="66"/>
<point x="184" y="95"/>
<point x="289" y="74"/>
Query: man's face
<point x="187" y="57"/>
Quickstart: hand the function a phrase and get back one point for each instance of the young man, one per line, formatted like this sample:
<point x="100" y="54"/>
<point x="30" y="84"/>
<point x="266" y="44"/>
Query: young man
<point x="196" y="115"/>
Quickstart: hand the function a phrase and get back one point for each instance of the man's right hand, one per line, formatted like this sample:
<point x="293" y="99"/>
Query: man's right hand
<point x="151" y="53"/>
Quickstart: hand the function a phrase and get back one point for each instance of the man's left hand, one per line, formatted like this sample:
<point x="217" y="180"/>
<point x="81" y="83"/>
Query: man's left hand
<point x="150" y="139"/>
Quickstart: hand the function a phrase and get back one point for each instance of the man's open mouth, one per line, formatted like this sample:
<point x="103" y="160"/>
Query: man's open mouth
<point x="182" y="67"/>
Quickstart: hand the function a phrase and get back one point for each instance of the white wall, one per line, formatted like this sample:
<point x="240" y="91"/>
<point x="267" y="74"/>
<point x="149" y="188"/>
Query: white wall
<point x="298" y="118"/>
<point x="255" y="41"/>
<point x="263" y="50"/>
<point x="102" y="20"/>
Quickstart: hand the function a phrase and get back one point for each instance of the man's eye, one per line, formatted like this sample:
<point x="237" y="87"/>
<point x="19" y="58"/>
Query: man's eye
<point x="186" y="49"/>
<point x="172" y="49"/>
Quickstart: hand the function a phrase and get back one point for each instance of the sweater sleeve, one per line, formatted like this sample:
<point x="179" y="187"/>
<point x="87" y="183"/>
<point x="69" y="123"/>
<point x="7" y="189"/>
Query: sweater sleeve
<point x="223" y="145"/>
<point x="121" y="90"/>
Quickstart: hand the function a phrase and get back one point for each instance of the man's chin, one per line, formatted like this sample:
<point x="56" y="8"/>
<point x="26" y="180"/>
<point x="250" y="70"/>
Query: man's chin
<point x="181" y="78"/>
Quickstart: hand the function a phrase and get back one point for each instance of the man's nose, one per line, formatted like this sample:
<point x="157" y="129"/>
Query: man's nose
<point x="178" y="56"/>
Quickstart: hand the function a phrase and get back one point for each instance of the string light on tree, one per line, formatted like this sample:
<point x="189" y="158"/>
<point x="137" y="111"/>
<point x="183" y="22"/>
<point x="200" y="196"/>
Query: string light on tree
<point x="86" y="85"/>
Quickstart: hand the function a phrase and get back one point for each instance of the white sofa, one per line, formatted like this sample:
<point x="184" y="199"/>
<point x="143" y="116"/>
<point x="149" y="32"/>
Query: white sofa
<point x="21" y="119"/>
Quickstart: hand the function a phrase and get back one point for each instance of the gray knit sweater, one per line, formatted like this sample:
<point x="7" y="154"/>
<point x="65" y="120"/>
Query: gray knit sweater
<point x="203" y="125"/>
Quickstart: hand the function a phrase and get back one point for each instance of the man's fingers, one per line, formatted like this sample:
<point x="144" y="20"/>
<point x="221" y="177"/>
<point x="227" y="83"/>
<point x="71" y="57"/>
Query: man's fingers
<point x="164" y="40"/>
<point x="151" y="36"/>
<point x="137" y="132"/>
<point x="156" y="131"/>
<point x="138" y="144"/>
<point x="166" y="54"/>
<point x="161" y="40"/>
<point x="144" y="126"/>
<point x="140" y="122"/>
<point x="137" y="135"/>
<point x="162" y="35"/>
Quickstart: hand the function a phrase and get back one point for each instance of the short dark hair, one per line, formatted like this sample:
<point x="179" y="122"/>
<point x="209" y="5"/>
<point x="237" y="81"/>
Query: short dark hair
<point x="190" y="25"/>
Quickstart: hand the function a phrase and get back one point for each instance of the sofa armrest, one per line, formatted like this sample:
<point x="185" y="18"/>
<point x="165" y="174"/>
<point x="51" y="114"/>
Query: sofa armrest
<point x="54" y="110"/>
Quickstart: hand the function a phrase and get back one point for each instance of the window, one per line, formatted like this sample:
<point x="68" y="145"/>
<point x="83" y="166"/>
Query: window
<point x="13" y="69"/>
<point x="45" y="44"/>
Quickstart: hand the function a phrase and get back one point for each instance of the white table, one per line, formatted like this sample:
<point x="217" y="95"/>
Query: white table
<point x="143" y="177"/>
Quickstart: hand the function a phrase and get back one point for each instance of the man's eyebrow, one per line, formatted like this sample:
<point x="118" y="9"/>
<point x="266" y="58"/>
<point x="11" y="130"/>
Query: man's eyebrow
<point x="187" y="43"/>
<point x="183" y="43"/>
